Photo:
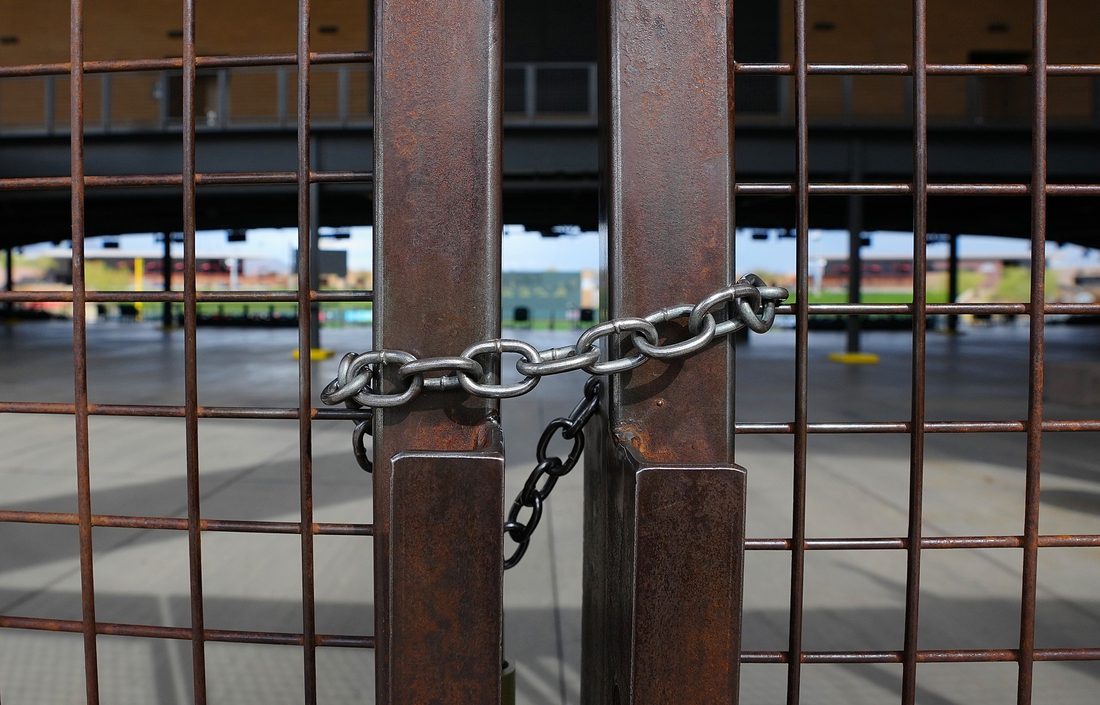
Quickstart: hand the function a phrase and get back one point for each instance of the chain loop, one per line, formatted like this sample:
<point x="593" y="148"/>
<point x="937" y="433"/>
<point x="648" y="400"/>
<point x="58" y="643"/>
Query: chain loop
<point x="748" y="303"/>
<point x="548" y="434"/>
<point x="367" y="397"/>
<point x="748" y="313"/>
<point x="584" y="410"/>
<point x="550" y="468"/>
<point x="358" y="446"/>
<point x="520" y="532"/>
<point x="344" y="387"/>
<point x="513" y="560"/>
<point x="736" y="292"/>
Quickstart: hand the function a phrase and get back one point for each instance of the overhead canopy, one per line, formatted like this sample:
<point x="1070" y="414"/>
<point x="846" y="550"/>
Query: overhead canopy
<point x="550" y="178"/>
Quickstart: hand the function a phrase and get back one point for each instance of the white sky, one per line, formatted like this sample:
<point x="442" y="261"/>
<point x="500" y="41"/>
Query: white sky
<point x="530" y="252"/>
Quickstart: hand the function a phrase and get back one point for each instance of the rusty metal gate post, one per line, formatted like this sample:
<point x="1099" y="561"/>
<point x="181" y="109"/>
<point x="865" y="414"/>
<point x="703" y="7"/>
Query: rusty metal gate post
<point x="439" y="466"/>
<point x="664" y="506"/>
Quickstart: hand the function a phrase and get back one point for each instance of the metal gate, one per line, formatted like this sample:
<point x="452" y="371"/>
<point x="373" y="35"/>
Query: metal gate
<point x="662" y="605"/>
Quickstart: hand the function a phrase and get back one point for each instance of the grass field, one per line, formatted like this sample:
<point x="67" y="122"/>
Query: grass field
<point x="1013" y="287"/>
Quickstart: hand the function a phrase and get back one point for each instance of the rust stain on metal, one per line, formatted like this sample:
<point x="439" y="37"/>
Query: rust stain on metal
<point x="668" y="218"/>
<point x="662" y="605"/>
<point x="628" y="433"/>
<point x="437" y="242"/>
<point x="447" y="577"/>
<point x="688" y="576"/>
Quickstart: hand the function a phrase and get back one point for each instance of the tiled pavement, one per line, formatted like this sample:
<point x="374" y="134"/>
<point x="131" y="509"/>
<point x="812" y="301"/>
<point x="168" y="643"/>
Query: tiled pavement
<point x="857" y="486"/>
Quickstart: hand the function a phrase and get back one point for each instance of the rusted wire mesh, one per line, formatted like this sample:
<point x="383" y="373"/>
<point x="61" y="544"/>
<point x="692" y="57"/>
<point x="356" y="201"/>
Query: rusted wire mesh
<point x="194" y="524"/>
<point x="917" y="426"/>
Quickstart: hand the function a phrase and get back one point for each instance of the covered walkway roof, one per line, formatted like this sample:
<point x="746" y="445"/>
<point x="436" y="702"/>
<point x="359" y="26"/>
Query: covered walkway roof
<point x="551" y="178"/>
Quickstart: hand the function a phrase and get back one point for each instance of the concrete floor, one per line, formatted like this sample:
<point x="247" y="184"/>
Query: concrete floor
<point x="857" y="486"/>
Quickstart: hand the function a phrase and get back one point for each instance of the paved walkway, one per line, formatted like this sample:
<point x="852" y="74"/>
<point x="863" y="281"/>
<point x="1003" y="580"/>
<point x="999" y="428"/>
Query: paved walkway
<point x="857" y="487"/>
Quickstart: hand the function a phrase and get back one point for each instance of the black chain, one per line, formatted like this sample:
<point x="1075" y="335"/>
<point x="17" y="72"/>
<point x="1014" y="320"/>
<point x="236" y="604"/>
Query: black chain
<point x="358" y="441"/>
<point x="547" y="470"/>
<point x="551" y="468"/>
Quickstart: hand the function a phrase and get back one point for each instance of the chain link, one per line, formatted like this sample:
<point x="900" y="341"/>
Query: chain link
<point x="750" y="303"/>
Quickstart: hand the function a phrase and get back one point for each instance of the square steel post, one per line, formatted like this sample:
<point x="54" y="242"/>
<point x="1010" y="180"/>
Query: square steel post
<point x="9" y="276"/>
<point x="439" y="468"/>
<point x="855" y="243"/>
<point x="664" y="505"/>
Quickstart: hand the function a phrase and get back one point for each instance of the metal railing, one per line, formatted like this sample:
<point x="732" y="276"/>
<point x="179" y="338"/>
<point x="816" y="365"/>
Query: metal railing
<point x="74" y="73"/>
<point x="251" y="97"/>
<point x="919" y="70"/>
<point x="237" y="93"/>
<point x="231" y="93"/>
<point x="883" y="94"/>
<point x="550" y="91"/>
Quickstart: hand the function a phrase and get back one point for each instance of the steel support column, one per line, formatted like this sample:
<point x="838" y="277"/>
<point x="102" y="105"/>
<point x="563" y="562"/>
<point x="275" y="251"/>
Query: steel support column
<point x="662" y="598"/>
<point x="9" y="276"/>
<point x="314" y="257"/>
<point x="855" y="244"/>
<point x="438" y="479"/>
<point x="315" y="272"/>
<point x="953" y="280"/>
<point x="166" y="269"/>
<point x="855" y="268"/>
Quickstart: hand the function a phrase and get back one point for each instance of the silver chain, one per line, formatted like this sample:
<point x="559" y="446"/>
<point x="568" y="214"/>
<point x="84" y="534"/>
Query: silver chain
<point x="750" y="303"/>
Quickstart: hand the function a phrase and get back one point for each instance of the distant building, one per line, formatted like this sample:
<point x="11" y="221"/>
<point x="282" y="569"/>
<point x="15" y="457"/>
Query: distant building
<point x="557" y="296"/>
<point x="892" y="273"/>
<point x="212" y="271"/>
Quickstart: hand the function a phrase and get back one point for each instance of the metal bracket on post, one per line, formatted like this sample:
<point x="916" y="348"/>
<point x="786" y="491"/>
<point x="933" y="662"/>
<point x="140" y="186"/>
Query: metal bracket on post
<point x="664" y="557"/>
<point x="664" y="504"/>
<point x="446" y="574"/>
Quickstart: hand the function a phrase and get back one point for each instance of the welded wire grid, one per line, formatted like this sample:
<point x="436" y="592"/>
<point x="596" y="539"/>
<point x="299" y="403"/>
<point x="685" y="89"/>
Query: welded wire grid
<point x="191" y="412"/>
<point x="1034" y="426"/>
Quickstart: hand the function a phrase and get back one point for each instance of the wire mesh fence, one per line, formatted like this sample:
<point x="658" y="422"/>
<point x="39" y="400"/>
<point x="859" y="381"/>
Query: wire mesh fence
<point x="344" y="104"/>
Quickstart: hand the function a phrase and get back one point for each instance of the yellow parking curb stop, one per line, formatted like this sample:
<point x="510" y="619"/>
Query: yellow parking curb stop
<point x="859" y="358"/>
<point x="317" y="354"/>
